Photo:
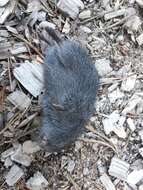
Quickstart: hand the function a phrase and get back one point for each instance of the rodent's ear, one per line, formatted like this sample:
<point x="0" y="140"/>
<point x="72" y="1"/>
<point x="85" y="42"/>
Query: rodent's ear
<point x="58" y="107"/>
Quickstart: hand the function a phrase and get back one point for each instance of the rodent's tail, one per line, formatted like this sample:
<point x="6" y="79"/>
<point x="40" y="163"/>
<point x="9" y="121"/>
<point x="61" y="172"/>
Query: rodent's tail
<point x="53" y="34"/>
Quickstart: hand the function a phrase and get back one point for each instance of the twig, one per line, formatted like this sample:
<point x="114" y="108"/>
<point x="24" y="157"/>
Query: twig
<point x="99" y="142"/>
<point x="5" y="142"/>
<point x="2" y="94"/>
<point x="98" y="16"/>
<point x="29" y="44"/>
<point x="114" y="79"/>
<point x="10" y="123"/>
<point x="116" y="24"/>
<point x="71" y="180"/>
<point x="17" y="137"/>
<point x="9" y="74"/>
<point x="2" y="185"/>
<point x="15" y="120"/>
<point x="88" y="20"/>
<point x="24" y="134"/>
<point x="48" y="9"/>
<point x="90" y="128"/>
<point x="27" y="120"/>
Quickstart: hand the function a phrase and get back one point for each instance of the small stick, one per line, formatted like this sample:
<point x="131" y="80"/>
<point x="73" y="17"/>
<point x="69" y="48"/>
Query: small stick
<point x="2" y="185"/>
<point x="29" y="44"/>
<point x="27" y="120"/>
<point x="71" y="180"/>
<point x="12" y="120"/>
<point x="9" y="74"/>
<point x="99" y="142"/>
<point x="90" y="128"/>
<point x="115" y="24"/>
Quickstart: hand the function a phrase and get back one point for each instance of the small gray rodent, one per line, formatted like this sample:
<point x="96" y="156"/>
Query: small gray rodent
<point x="71" y="83"/>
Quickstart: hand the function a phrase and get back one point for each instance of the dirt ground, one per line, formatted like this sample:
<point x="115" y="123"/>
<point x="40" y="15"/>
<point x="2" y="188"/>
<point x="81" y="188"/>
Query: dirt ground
<point x="109" y="155"/>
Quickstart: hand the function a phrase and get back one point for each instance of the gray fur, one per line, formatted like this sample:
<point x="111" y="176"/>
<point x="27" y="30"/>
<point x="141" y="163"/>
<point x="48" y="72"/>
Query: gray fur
<point x="71" y="83"/>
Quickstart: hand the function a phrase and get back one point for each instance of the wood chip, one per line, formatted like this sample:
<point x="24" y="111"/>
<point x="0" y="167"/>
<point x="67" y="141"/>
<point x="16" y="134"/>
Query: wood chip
<point x="6" y="11"/>
<point x="20" y="157"/>
<point x="85" y="14"/>
<point x="18" y="48"/>
<point x="131" y="124"/>
<point x="33" y="5"/>
<point x="129" y="83"/>
<point x="8" y="162"/>
<point x="4" y="33"/>
<point x="106" y="4"/>
<point x="3" y="2"/>
<point x="133" y="23"/>
<point x="67" y="27"/>
<point x="133" y="102"/>
<point x="141" y="152"/>
<point x="141" y="187"/>
<point x="121" y="12"/>
<point x="119" y="168"/>
<point x="140" y="39"/>
<point x="103" y="66"/>
<point x="4" y="50"/>
<point x="19" y="99"/>
<point x="37" y="182"/>
<point x="33" y="80"/>
<point x="7" y="48"/>
<point x="140" y="3"/>
<point x="14" y="175"/>
<point x="70" y="7"/>
<point x="116" y="94"/>
<point x="70" y="166"/>
<point x="45" y="24"/>
<point x="12" y="29"/>
<point x="30" y="147"/>
<point x="114" y="14"/>
<point x="141" y="135"/>
<point x="115" y="122"/>
<point x="106" y="181"/>
<point x="7" y="153"/>
<point x="135" y="176"/>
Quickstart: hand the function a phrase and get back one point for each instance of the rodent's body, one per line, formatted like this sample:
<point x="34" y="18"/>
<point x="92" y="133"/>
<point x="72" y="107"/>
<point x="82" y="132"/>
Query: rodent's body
<point x="71" y="83"/>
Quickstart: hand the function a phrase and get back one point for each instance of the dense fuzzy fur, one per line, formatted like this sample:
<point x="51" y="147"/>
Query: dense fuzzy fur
<point x="71" y="83"/>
